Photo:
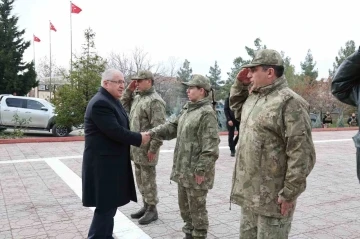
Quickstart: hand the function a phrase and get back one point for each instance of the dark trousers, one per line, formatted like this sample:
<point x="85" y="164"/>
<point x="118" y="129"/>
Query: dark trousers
<point x="231" y="129"/>
<point x="102" y="224"/>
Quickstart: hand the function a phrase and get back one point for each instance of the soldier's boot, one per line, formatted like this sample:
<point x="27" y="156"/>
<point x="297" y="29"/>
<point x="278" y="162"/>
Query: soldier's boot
<point x="232" y="153"/>
<point x="140" y="212"/>
<point x="151" y="215"/>
<point x="188" y="236"/>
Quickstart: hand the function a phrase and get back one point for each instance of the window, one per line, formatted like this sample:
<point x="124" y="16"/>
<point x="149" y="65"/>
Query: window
<point x="34" y="105"/>
<point x="14" y="102"/>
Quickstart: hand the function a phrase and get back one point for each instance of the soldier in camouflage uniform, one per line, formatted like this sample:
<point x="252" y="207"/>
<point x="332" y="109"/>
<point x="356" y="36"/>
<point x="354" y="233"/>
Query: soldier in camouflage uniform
<point x="147" y="110"/>
<point x="275" y="152"/>
<point x="196" y="150"/>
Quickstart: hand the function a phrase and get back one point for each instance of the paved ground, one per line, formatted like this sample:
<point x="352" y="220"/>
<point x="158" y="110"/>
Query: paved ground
<point x="40" y="190"/>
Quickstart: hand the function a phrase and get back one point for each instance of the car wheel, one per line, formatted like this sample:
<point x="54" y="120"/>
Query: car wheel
<point x="60" y="131"/>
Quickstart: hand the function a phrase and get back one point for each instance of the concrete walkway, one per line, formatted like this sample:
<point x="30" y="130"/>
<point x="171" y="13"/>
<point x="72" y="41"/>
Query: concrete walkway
<point x="40" y="194"/>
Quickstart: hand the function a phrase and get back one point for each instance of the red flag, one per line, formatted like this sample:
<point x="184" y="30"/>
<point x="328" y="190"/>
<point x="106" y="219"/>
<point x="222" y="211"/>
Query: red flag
<point x="75" y="9"/>
<point x="36" y="39"/>
<point x="52" y="27"/>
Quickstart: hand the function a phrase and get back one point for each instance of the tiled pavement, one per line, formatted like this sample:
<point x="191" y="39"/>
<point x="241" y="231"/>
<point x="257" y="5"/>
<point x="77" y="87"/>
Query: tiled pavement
<point x="35" y="202"/>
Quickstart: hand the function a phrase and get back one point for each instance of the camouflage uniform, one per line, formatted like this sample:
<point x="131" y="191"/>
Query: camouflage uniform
<point x="196" y="150"/>
<point x="147" y="110"/>
<point x="274" y="155"/>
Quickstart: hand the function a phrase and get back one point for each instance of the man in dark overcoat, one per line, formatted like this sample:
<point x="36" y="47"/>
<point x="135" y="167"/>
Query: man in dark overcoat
<point x="107" y="177"/>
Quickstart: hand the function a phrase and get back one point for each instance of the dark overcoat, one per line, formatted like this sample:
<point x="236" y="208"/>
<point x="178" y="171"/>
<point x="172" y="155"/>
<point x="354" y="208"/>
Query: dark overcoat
<point x="345" y="87"/>
<point x="107" y="177"/>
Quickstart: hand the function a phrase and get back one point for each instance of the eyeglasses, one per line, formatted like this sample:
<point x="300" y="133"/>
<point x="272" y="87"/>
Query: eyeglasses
<point x="120" y="82"/>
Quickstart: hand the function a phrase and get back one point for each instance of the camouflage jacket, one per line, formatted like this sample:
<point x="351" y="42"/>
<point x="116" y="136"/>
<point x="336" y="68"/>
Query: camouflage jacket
<point x="197" y="144"/>
<point x="275" y="152"/>
<point x="146" y="110"/>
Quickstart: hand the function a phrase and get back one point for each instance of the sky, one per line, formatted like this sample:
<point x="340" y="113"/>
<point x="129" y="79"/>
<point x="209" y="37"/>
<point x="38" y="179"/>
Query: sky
<point x="201" y="31"/>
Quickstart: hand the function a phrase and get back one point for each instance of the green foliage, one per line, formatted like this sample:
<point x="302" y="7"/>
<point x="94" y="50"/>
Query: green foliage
<point x="185" y="72"/>
<point x="343" y="53"/>
<point x="84" y="81"/>
<point x="237" y="63"/>
<point x="308" y="68"/>
<point x="184" y="75"/>
<point x="16" y="76"/>
<point x="215" y="79"/>
<point x="20" y="125"/>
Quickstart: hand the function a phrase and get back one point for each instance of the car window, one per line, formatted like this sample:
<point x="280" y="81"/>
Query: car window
<point x="34" y="105"/>
<point x="14" y="102"/>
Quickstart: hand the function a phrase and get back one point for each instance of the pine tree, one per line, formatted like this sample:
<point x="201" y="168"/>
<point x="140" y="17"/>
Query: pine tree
<point x="185" y="72"/>
<point x="184" y="75"/>
<point x="84" y="81"/>
<point x="16" y="76"/>
<point x="343" y="53"/>
<point x="215" y="76"/>
<point x="308" y="68"/>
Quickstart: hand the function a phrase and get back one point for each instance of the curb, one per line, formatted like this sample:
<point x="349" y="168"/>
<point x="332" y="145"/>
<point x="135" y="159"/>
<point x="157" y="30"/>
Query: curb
<point x="82" y="138"/>
<point x="42" y="140"/>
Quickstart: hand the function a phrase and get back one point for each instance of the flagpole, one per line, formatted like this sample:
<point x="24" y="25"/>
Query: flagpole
<point x="50" y="60"/>
<point x="70" y="38"/>
<point x="34" y="52"/>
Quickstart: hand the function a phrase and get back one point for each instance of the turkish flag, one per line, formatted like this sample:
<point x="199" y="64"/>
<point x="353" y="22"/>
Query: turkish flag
<point x="75" y="9"/>
<point x="36" y="39"/>
<point x="52" y="27"/>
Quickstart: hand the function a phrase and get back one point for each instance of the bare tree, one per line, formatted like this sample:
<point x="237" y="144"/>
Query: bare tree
<point x="43" y="68"/>
<point x="173" y="66"/>
<point x="121" y="62"/>
<point x="131" y="65"/>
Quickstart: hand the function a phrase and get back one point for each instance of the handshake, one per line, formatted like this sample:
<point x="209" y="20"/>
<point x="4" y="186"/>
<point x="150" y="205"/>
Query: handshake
<point x="145" y="137"/>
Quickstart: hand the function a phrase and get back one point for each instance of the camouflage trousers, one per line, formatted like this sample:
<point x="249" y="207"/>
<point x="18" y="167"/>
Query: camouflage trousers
<point x="255" y="226"/>
<point x="192" y="204"/>
<point x="146" y="182"/>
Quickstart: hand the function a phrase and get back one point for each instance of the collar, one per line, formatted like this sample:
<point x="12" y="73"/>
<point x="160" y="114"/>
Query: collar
<point x="279" y="83"/>
<point x="195" y="105"/>
<point x="147" y="92"/>
<point x="106" y="93"/>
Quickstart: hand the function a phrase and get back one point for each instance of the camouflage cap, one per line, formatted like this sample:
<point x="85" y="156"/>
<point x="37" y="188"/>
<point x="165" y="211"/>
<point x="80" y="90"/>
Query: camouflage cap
<point x="266" y="57"/>
<point x="200" y="81"/>
<point x="143" y="75"/>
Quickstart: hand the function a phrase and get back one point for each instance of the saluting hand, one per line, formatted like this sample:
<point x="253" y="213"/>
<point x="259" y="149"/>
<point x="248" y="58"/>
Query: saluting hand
<point x="132" y="85"/>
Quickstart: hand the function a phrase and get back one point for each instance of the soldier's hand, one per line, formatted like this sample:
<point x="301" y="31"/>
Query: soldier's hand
<point x="151" y="156"/>
<point x="242" y="76"/>
<point x="145" y="138"/>
<point x="199" y="179"/>
<point x="230" y="123"/>
<point x="132" y="85"/>
<point x="286" y="207"/>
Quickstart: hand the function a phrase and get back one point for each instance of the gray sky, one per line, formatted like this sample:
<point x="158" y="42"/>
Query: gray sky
<point x="201" y="31"/>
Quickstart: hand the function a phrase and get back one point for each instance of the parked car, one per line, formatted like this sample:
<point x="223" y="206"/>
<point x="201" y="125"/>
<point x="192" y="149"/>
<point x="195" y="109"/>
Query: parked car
<point x="39" y="114"/>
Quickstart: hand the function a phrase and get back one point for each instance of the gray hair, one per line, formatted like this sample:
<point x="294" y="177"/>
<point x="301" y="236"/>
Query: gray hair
<point x="109" y="75"/>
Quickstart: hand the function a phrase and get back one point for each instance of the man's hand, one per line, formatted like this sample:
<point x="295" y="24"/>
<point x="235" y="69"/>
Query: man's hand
<point x="230" y="123"/>
<point x="242" y="76"/>
<point x="199" y="179"/>
<point x="286" y="207"/>
<point x="132" y="85"/>
<point x="145" y="138"/>
<point x="151" y="156"/>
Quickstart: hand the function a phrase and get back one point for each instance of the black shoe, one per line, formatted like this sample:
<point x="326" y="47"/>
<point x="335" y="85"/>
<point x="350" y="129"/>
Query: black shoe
<point x="151" y="215"/>
<point x="188" y="236"/>
<point x="140" y="213"/>
<point x="232" y="153"/>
